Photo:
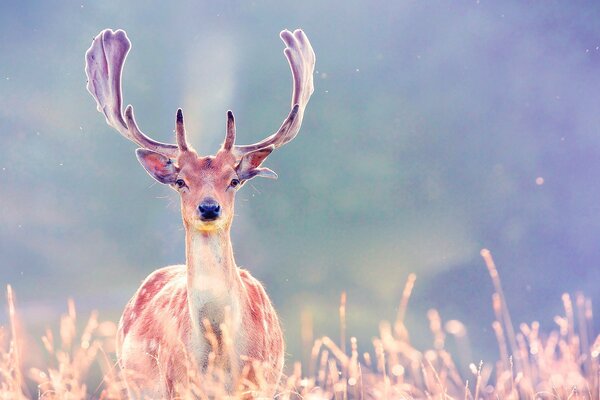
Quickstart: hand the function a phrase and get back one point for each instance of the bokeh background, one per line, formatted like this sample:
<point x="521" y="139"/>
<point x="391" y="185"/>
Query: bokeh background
<point x="436" y="129"/>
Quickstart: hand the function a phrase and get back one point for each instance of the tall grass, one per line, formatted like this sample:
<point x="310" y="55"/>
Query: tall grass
<point x="560" y="364"/>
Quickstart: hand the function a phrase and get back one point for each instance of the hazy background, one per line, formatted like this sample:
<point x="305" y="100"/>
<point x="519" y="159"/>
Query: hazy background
<point x="429" y="125"/>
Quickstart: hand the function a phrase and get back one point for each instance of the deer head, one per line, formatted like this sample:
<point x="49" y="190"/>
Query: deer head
<point x="206" y="184"/>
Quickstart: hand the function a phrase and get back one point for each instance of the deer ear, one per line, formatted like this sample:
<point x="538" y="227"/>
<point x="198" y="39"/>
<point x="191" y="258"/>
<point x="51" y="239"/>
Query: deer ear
<point x="160" y="167"/>
<point x="249" y="165"/>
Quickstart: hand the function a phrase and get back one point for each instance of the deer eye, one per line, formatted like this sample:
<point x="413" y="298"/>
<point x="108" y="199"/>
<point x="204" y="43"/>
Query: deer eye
<point x="234" y="182"/>
<point x="180" y="183"/>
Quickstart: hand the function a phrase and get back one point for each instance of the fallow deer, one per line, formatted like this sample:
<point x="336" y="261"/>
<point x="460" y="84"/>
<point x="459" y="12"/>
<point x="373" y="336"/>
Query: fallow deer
<point x="189" y="311"/>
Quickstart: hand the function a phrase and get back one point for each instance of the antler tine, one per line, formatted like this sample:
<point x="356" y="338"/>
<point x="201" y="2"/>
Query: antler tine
<point x="104" y="67"/>
<point x="230" y="135"/>
<point x="180" y="131"/>
<point x="301" y="58"/>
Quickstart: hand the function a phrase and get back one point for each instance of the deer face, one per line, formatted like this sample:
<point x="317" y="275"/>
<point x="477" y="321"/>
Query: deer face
<point x="207" y="185"/>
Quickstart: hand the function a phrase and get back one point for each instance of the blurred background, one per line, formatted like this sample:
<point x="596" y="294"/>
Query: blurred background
<point x="436" y="129"/>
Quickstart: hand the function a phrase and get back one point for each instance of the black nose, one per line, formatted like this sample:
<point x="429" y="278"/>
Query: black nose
<point x="209" y="210"/>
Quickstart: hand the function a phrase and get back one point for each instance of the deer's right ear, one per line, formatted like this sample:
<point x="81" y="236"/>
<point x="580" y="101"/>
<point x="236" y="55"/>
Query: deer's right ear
<point x="160" y="167"/>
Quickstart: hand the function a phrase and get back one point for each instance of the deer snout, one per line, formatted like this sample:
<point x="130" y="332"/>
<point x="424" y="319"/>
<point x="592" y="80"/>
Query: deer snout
<point x="209" y="209"/>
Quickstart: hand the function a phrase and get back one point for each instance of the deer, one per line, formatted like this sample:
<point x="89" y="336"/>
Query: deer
<point x="209" y="310"/>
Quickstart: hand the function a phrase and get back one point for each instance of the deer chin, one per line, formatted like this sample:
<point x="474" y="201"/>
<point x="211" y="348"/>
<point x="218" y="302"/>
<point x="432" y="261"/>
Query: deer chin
<point x="208" y="226"/>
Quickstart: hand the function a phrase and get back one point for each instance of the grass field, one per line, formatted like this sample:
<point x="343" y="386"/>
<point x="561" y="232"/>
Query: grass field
<point x="560" y="364"/>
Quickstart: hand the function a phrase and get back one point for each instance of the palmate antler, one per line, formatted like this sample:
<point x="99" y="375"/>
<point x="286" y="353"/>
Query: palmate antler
<point x="301" y="57"/>
<point x="104" y="66"/>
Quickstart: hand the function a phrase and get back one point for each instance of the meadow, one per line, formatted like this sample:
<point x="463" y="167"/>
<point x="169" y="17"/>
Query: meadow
<point x="435" y="129"/>
<point x="559" y="364"/>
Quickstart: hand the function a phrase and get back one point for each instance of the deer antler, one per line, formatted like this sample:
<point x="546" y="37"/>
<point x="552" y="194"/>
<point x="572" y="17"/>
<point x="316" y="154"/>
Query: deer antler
<point x="301" y="58"/>
<point x="104" y="66"/>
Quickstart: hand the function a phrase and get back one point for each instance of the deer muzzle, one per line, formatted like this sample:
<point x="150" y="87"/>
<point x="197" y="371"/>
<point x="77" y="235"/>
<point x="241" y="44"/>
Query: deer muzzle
<point x="209" y="209"/>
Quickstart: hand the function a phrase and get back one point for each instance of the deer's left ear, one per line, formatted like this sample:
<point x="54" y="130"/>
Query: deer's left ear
<point x="250" y="164"/>
<point x="160" y="167"/>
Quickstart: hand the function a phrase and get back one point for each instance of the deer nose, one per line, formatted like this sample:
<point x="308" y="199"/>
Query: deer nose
<point x="209" y="209"/>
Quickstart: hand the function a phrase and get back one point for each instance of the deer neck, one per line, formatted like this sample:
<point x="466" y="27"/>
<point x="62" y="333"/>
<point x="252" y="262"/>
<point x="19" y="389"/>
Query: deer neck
<point x="210" y="264"/>
<point x="212" y="276"/>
